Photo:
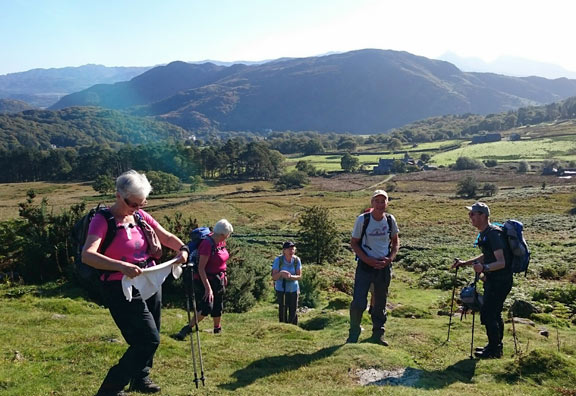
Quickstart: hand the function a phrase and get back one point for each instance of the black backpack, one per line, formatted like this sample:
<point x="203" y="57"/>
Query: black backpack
<point x="89" y="276"/>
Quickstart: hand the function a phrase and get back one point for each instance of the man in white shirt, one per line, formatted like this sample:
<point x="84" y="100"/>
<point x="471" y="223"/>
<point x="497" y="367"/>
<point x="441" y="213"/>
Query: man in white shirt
<point x="375" y="242"/>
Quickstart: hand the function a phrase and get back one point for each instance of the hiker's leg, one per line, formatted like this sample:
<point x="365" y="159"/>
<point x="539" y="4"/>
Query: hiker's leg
<point x="362" y="281"/>
<point x="138" y="328"/>
<point x="154" y="305"/>
<point x="495" y="292"/>
<point x="280" y="298"/>
<point x="378" y="314"/>
<point x="217" y="309"/>
<point x="292" y="300"/>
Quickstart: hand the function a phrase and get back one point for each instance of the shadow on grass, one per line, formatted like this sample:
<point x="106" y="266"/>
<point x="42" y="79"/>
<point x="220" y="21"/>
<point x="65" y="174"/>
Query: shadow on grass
<point x="274" y="365"/>
<point x="462" y="371"/>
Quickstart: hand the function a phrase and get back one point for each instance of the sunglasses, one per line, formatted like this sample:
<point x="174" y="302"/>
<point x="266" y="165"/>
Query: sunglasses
<point x="474" y="214"/>
<point x="135" y="205"/>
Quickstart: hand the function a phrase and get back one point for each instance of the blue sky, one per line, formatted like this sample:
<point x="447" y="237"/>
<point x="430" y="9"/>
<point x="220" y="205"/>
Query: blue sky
<point x="59" y="33"/>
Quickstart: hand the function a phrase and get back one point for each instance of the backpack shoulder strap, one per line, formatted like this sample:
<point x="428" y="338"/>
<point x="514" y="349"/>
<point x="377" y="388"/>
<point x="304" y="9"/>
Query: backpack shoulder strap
<point x="110" y="230"/>
<point x="367" y="216"/>
<point x="389" y="220"/>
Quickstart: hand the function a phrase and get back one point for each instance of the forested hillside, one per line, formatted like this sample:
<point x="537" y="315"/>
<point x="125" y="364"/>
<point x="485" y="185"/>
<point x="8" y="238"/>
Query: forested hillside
<point x="71" y="127"/>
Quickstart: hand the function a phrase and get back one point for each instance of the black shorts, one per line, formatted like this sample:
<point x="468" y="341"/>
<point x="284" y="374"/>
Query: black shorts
<point x="205" y="308"/>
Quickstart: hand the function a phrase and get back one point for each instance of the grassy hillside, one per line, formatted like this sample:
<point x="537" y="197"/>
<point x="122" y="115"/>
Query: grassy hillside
<point x="55" y="342"/>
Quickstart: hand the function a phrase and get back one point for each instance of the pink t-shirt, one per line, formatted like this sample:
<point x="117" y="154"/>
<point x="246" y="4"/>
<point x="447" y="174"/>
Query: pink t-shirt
<point x="128" y="245"/>
<point x="217" y="261"/>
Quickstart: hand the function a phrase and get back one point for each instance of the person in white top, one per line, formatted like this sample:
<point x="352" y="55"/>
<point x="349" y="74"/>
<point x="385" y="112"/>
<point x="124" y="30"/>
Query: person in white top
<point x="375" y="242"/>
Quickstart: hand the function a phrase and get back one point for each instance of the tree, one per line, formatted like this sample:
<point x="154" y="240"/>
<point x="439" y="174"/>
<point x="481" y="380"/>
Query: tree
<point x="394" y="144"/>
<point x="467" y="187"/>
<point x="318" y="236"/>
<point x="196" y="183"/>
<point x="349" y="163"/>
<point x="463" y="163"/>
<point x="523" y="167"/>
<point x="425" y="157"/>
<point x="294" y="179"/>
<point x="306" y="167"/>
<point x="163" y="182"/>
<point x="103" y="184"/>
<point x="489" y="189"/>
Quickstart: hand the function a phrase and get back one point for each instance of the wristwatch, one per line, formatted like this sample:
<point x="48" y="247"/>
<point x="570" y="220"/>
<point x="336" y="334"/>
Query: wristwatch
<point x="485" y="268"/>
<point x="185" y="248"/>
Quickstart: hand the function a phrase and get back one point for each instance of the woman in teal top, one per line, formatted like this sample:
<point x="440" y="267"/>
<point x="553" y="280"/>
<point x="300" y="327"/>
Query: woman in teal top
<point x="286" y="271"/>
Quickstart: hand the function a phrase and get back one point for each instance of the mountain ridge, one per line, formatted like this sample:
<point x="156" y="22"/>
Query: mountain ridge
<point x="363" y="91"/>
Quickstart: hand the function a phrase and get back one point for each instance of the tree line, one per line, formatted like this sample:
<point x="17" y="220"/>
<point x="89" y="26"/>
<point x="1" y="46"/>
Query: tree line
<point x="233" y="159"/>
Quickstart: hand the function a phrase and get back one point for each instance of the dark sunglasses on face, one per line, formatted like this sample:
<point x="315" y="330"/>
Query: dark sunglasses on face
<point x="474" y="214"/>
<point x="135" y="205"/>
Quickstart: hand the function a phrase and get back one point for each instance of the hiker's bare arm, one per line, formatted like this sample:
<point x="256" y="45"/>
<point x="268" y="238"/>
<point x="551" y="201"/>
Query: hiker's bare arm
<point x="297" y="276"/>
<point x="499" y="264"/>
<point x="97" y="260"/>
<point x="394" y="247"/>
<point x="202" y="263"/>
<point x="173" y="242"/>
<point x="472" y="261"/>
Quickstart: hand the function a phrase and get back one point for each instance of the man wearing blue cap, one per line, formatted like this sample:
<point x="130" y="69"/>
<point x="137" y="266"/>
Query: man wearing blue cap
<point x="375" y="242"/>
<point x="497" y="275"/>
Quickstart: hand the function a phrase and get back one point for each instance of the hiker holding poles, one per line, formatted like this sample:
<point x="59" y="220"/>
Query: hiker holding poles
<point x="210" y="279"/>
<point x="493" y="266"/>
<point x="127" y="254"/>
<point x="375" y="242"/>
<point x="286" y="271"/>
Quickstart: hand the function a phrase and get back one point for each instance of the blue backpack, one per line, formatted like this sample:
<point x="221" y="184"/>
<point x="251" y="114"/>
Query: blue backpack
<point x="514" y="232"/>
<point x="197" y="235"/>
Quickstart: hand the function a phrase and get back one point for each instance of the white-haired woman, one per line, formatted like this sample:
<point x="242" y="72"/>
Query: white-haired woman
<point x="210" y="282"/>
<point x="127" y="254"/>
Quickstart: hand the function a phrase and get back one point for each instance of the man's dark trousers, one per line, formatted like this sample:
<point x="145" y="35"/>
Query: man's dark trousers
<point x="363" y="278"/>
<point x="495" y="292"/>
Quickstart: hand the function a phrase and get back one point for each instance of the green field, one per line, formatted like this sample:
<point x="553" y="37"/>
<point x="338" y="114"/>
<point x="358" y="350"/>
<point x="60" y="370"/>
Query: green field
<point x="561" y="148"/>
<point x="54" y="342"/>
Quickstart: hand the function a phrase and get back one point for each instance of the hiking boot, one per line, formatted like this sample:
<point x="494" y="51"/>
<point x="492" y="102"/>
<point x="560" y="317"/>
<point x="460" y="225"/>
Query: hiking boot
<point x="378" y="339"/>
<point x="181" y="335"/>
<point x="489" y="353"/>
<point x="353" y="337"/>
<point x="144" y="385"/>
<point x="217" y="330"/>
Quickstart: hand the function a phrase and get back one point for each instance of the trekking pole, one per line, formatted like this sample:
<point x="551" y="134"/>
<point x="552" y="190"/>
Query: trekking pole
<point x="476" y="277"/>
<point x="514" y="334"/>
<point x="452" y="302"/>
<point x="191" y="297"/>
<point x="285" y="306"/>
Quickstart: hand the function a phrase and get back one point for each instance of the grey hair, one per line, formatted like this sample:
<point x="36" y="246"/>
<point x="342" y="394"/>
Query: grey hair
<point x="223" y="227"/>
<point x="133" y="184"/>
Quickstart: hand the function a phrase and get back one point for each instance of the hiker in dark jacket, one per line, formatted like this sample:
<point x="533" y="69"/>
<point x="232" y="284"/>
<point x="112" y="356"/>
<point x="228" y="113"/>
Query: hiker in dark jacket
<point x="286" y="271"/>
<point x="497" y="276"/>
<point x="138" y="319"/>
<point x="375" y="241"/>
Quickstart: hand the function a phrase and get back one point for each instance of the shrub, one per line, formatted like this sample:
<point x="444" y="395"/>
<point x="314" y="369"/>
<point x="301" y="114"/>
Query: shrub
<point x="467" y="187"/>
<point x="294" y="179"/>
<point x="310" y="285"/>
<point x="491" y="163"/>
<point x="464" y="163"/>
